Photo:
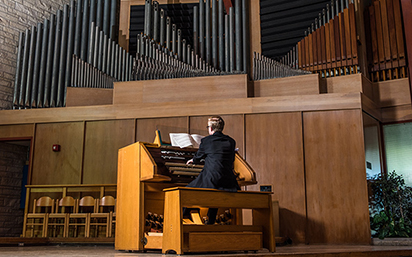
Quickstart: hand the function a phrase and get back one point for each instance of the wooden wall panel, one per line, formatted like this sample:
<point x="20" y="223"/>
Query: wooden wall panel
<point x="181" y="89"/>
<point x="103" y="139"/>
<point x="62" y="167"/>
<point x="337" y="199"/>
<point x="275" y="151"/>
<point x="145" y="128"/>
<point x="397" y="114"/>
<point x="394" y="92"/>
<point x="296" y="85"/>
<point x="81" y="96"/>
<point x="16" y="131"/>
<point x="234" y="127"/>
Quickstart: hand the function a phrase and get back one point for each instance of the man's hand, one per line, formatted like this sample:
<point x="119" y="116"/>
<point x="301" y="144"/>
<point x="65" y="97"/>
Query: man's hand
<point x="189" y="161"/>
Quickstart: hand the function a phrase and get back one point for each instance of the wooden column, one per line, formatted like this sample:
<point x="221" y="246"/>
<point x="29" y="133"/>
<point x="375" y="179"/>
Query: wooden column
<point x="407" y="26"/>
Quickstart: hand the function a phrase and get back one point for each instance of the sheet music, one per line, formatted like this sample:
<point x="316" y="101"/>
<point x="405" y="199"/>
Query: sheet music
<point x="183" y="140"/>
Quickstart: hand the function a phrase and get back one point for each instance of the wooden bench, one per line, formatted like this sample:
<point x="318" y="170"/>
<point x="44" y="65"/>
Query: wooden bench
<point x="182" y="238"/>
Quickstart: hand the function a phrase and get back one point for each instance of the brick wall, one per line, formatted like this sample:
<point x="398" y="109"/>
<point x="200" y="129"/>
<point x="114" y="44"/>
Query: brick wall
<point x="16" y="16"/>
<point x="12" y="160"/>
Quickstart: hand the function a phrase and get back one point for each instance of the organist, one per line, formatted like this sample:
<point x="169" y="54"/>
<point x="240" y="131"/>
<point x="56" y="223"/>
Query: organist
<point x="218" y="152"/>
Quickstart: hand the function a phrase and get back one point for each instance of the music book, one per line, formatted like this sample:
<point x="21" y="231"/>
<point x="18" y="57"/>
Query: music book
<point x="183" y="140"/>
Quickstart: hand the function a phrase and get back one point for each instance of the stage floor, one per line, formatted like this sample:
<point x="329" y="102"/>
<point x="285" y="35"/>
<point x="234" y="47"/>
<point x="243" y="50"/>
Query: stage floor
<point x="289" y="251"/>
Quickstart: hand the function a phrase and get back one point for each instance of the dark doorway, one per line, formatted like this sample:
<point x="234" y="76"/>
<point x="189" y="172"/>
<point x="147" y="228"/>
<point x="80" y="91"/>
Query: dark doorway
<point x="14" y="163"/>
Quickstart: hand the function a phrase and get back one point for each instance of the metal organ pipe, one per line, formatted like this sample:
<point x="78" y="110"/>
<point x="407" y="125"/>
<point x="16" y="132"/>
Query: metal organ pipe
<point x="32" y="102"/>
<point x="238" y="35"/>
<point x="113" y="11"/>
<point x="18" y="71"/>
<point x="63" y="54"/>
<point x="27" y="91"/>
<point x="56" y="57"/>
<point x="196" y="29"/>
<point x="70" y="50"/>
<point x="43" y="61"/>
<point x="201" y="29"/>
<point x="162" y="27"/>
<point x="231" y="40"/>
<point x="156" y="21"/>
<point x="245" y="35"/>
<point x="50" y="58"/>
<point x="207" y="35"/>
<point x="214" y="33"/>
<point x="106" y="17"/>
<point x="221" y="28"/>
<point x="168" y="32"/>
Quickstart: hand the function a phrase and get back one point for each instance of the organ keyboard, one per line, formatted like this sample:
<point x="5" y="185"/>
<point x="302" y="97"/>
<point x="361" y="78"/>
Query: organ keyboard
<point x="144" y="171"/>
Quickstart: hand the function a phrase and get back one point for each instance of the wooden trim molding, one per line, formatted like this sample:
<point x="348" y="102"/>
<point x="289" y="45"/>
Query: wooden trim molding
<point x="189" y="108"/>
<point x="407" y="26"/>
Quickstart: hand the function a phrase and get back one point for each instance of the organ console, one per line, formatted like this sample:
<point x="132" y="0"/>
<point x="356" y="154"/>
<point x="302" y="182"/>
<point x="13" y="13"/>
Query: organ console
<point x="144" y="171"/>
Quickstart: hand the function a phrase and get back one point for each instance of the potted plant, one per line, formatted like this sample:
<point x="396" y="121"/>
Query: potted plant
<point x="390" y="206"/>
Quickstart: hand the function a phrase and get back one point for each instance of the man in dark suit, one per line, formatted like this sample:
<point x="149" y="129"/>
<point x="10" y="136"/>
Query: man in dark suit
<point x="218" y="151"/>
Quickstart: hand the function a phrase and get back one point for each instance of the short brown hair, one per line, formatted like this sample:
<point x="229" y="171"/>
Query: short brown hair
<point x="216" y="123"/>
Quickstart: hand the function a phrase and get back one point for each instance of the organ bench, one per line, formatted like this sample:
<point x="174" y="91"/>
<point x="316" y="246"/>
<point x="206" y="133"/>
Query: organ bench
<point x="182" y="238"/>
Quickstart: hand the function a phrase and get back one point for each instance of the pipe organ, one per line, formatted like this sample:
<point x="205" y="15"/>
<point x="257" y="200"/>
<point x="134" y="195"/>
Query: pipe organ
<point x="218" y="46"/>
<point x="330" y="43"/>
<point x="74" y="47"/>
<point x="384" y="34"/>
<point x="266" y="68"/>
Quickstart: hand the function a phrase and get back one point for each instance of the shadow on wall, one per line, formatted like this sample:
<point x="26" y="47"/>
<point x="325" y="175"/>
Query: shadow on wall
<point x="294" y="226"/>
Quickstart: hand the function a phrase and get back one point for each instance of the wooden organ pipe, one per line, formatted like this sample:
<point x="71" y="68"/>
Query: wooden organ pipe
<point x="329" y="46"/>
<point x="386" y="57"/>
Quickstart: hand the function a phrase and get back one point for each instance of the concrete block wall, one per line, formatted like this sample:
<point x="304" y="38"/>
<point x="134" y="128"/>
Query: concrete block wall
<point x="16" y="16"/>
<point x="12" y="160"/>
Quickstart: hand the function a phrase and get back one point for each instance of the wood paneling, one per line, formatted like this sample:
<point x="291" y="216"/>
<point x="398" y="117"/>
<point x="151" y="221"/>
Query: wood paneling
<point x="145" y="128"/>
<point x="103" y="139"/>
<point x="344" y="84"/>
<point x="16" y="131"/>
<point x="397" y="113"/>
<point x="337" y="199"/>
<point x="234" y="127"/>
<point x="407" y="23"/>
<point x="297" y="85"/>
<point x="129" y="204"/>
<point x="370" y="107"/>
<point x="305" y="103"/>
<point x="185" y="108"/>
<point x="62" y="167"/>
<point x="254" y="29"/>
<point x="350" y="84"/>
<point x="371" y="90"/>
<point x="394" y="92"/>
<point x="274" y="150"/>
<point x="178" y="90"/>
<point x="77" y="96"/>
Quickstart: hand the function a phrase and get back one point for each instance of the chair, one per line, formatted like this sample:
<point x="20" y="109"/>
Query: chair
<point x="105" y="216"/>
<point x="60" y="218"/>
<point x="42" y="207"/>
<point x="81" y="218"/>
